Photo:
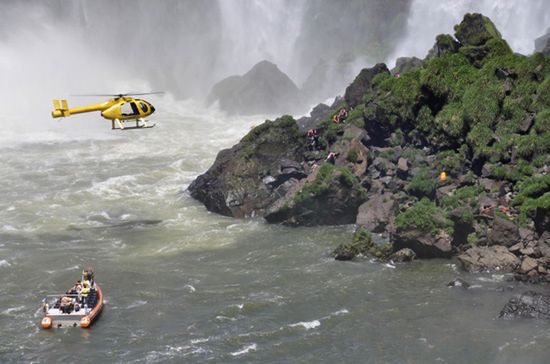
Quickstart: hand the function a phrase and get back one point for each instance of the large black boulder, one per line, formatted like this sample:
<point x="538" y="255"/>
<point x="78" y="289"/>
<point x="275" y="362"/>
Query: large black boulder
<point x="359" y="86"/>
<point x="246" y="179"/>
<point x="263" y="90"/>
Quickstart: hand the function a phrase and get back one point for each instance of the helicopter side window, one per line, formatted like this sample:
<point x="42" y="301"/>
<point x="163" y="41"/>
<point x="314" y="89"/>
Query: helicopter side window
<point x="129" y="109"/>
<point x="143" y="107"/>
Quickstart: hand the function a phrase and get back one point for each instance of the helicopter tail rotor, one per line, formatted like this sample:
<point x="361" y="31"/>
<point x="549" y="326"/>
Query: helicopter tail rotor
<point x="61" y="109"/>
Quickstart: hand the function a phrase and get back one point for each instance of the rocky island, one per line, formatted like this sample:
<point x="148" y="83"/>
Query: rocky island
<point x="445" y="156"/>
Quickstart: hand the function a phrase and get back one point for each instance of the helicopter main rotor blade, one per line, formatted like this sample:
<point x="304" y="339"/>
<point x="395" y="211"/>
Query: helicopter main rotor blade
<point x="102" y="95"/>
<point x="123" y="94"/>
<point x="145" y="93"/>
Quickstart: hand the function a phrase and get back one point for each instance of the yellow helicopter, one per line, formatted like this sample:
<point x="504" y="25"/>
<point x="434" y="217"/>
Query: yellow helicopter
<point x="119" y="109"/>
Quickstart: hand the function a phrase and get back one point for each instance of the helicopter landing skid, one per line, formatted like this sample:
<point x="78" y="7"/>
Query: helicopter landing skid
<point x="140" y="124"/>
<point x="136" y="127"/>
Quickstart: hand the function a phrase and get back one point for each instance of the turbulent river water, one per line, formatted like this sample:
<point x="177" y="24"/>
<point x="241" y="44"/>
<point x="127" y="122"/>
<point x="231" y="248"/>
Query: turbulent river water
<point x="186" y="285"/>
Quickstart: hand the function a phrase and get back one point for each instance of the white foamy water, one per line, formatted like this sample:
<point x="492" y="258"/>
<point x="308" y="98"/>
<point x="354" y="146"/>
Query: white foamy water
<point x="307" y="325"/>
<point x="245" y="350"/>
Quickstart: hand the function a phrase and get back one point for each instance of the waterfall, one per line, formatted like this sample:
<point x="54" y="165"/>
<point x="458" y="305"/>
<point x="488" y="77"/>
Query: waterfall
<point x="519" y="22"/>
<point x="256" y="30"/>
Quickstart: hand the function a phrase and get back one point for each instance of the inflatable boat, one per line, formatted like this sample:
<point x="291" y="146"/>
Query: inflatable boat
<point x="78" y="306"/>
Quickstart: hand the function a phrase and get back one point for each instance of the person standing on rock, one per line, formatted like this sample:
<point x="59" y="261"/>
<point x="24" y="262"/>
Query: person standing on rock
<point x="331" y="158"/>
<point x="314" y="139"/>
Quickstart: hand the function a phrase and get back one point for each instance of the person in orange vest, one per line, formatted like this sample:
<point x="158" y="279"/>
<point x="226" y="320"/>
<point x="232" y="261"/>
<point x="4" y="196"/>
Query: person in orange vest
<point x="443" y="176"/>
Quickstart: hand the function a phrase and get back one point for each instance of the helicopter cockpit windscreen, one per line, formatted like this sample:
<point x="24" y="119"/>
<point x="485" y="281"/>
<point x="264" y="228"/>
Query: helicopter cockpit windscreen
<point x="143" y="106"/>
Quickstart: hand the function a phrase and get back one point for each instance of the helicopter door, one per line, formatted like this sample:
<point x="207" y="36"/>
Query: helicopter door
<point x="129" y="109"/>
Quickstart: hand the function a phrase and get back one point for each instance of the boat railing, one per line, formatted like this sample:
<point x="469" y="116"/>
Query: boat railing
<point x="62" y="295"/>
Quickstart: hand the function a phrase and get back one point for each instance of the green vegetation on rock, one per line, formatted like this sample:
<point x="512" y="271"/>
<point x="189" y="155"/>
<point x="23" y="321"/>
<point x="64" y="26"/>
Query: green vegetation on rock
<point x="424" y="215"/>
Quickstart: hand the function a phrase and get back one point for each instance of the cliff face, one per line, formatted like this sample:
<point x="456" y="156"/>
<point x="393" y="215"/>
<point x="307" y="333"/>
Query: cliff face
<point x="471" y="109"/>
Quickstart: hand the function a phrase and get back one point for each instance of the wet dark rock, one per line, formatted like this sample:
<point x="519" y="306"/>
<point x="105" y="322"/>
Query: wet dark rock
<point x="527" y="265"/>
<point x="362" y="244"/>
<point x="489" y="258"/>
<point x="527" y="123"/>
<point x="318" y="113"/>
<point x="508" y="86"/>
<point x="263" y="90"/>
<point x="516" y="248"/>
<point x="242" y="179"/>
<point x="542" y="220"/>
<point x="332" y="201"/>
<point x="445" y="191"/>
<point x="504" y="73"/>
<point x="526" y="234"/>
<point x="489" y="184"/>
<point x="458" y="282"/>
<point x="503" y="232"/>
<point x="406" y="64"/>
<point x="475" y="30"/>
<point x="466" y="180"/>
<point x="424" y="243"/>
<point x="378" y="213"/>
<point x="402" y="168"/>
<point x="443" y="43"/>
<point x="529" y="304"/>
<point x="403" y="255"/>
<point x="462" y="226"/>
<point x="288" y="169"/>
<point x="356" y="90"/>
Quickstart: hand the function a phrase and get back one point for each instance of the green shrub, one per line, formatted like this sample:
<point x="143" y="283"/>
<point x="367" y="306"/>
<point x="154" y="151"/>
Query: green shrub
<point x="542" y="121"/>
<point x="532" y="188"/>
<point x="424" y="215"/>
<point x="447" y="76"/>
<point x="543" y="95"/>
<point x="481" y="101"/>
<point x="479" y="139"/>
<point x="422" y="184"/>
<point x="450" y="161"/>
<point x="450" y="120"/>
<point x="472" y="239"/>
<point x="397" y="98"/>
<point x="347" y="177"/>
<point x="533" y="144"/>
<point x="319" y="186"/>
<point x="355" y="116"/>
<point x="466" y="197"/>
<point x="352" y="156"/>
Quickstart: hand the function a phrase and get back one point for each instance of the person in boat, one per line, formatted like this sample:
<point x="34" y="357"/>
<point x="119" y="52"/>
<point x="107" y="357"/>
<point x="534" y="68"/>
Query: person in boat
<point x="88" y="275"/>
<point x="76" y="288"/>
<point x="84" y="293"/>
<point x="66" y="304"/>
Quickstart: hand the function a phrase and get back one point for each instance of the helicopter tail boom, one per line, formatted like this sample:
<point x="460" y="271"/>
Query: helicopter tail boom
<point x="61" y="109"/>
